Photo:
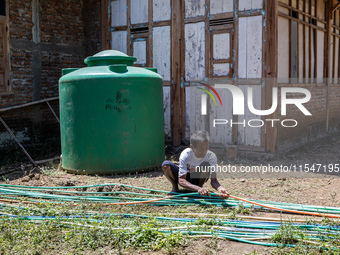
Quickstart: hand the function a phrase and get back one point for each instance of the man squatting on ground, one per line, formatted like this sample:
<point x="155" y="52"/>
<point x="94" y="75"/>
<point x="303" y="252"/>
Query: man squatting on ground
<point x="187" y="174"/>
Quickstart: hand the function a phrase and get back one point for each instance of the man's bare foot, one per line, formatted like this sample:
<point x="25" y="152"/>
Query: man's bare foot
<point x="175" y="189"/>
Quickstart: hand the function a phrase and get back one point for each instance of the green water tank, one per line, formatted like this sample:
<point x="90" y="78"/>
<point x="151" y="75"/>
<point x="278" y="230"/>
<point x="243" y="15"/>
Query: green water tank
<point x="111" y="116"/>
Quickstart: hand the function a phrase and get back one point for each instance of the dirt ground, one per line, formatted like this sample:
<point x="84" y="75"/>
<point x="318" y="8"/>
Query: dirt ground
<point x="303" y="188"/>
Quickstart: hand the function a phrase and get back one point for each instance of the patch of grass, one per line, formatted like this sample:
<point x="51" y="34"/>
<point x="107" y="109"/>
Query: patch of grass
<point x="19" y="236"/>
<point x="209" y="222"/>
<point x="288" y="234"/>
<point x="51" y="170"/>
<point x="242" y="210"/>
<point x="328" y="240"/>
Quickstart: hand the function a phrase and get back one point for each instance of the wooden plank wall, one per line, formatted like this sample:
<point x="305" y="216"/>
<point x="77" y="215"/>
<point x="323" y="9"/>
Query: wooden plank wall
<point x="283" y="52"/>
<point x="194" y="51"/>
<point x="250" y="136"/>
<point x="310" y="15"/>
<point x="250" y="47"/>
<point x="224" y="62"/>
<point x="152" y="47"/>
<point x="269" y="134"/>
<point x="207" y="53"/>
<point x="119" y="41"/>
<point x="139" y="12"/>
<point x="222" y="134"/>
<point x="317" y="40"/>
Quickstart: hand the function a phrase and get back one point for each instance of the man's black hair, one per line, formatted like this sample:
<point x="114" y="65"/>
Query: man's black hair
<point x="199" y="137"/>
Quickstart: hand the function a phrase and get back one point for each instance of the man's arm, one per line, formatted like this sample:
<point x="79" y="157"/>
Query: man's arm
<point x="216" y="185"/>
<point x="187" y="185"/>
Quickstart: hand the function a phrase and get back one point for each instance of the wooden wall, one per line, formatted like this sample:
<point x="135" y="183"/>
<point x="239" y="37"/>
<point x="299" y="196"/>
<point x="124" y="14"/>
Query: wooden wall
<point x="221" y="41"/>
<point x="142" y="28"/>
<point x="308" y="56"/>
<point x="247" y="43"/>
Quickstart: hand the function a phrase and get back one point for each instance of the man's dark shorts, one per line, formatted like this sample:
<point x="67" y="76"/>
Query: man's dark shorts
<point x="193" y="178"/>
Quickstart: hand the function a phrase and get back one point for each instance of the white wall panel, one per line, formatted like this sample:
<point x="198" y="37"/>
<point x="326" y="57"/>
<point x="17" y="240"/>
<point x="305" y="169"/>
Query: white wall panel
<point x="301" y="60"/>
<point x="139" y="51"/>
<point x="194" y="8"/>
<point x="250" y="47"/>
<point x="197" y="121"/>
<point x="119" y="41"/>
<point x="330" y="75"/>
<point x="167" y="111"/>
<point x="187" y="112"/>
<point x="118" y="13"/>
<point x="336" y="73"/>
<point x="283" y="49"/>
<point x="307" y="54"/>
<point x="250" y="5"/>
<point x="161" y="10"/>
<point x="194" y="51"/>
<point x="250" y="136"/>
<point x="221" y="69"/>
<point x="161" y="51"/>
<point x="221" y="46"/>
<point x="320" y="54"/>
<point x="221" y="6"/>
<point x="221" y="133"/>
<point x="139" y="11"/>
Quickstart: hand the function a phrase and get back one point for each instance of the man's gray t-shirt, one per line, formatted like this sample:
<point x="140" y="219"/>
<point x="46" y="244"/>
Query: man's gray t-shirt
<point x="188" y="161"/>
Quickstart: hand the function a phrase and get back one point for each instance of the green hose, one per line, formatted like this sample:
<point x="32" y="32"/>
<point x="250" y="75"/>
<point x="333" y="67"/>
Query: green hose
<point x="236" y="230"/>
<point x="17" y="190"/>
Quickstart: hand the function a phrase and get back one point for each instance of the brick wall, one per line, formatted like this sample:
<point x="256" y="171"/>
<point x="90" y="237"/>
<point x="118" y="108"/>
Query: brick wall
<point x="310" y="127"/>
<point x="21" y="24"/>
<point x="62" y="22"/>
<point x="45" y="37"/>
<point x="92" y="23"/>
<point x="36" y="66"/>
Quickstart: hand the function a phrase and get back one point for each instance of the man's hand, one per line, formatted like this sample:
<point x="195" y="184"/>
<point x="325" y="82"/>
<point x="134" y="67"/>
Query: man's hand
<point x="204" y="192"/>
<point x="223" y="193"/>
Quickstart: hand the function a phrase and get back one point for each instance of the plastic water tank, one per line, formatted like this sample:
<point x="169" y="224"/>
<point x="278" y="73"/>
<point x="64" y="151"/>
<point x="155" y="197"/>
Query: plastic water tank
<point x="111" y="116"/>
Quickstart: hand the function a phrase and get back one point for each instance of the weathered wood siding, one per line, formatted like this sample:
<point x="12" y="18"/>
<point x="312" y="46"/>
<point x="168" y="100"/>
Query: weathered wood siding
<point x="250" y="136"/>
<point x="161" y="10"/>
<point x="162" y="51"/>
<point x="336" y="55"/>
<point x="320" y="55"/>
<point x="245" y="5"/>
<point x="221" y="6"/>
<point x="119" y="41"/>
<point x="250" y="47"/>
<point x="300" y="52"/>
<point x="221" y="134"/>
<point x="194" y="51"/>
<point x="167" y="113"/>
<point x="197" y="121"/>
<point x="119" y="15"/>
<point x="194" y="8"/>
<point x="139" y="11"/>
<point x="139" y="51"/>
<point x="283" y="49"/>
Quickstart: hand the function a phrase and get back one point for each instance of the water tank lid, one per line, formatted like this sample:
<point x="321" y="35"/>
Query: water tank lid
<point x="109" y="57"/>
